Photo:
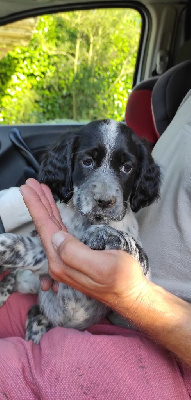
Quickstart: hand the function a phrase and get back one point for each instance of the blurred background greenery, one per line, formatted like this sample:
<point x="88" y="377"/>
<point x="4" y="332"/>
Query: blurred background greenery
<point x="69" y="66"/>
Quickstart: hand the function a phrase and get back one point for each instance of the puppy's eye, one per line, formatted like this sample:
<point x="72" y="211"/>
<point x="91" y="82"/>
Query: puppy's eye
<point x="126" y="169"/>
<point x="87" y="162"/>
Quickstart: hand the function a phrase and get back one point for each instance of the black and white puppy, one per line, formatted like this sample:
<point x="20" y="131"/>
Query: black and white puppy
<point x="102" y="175"/>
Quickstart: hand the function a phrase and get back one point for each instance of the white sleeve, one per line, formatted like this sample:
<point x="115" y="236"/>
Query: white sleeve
<point x="13" y="212"/>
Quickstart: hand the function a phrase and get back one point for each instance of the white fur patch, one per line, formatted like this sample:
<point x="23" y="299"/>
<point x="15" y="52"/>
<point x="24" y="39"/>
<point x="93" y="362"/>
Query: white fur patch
<point x="128" y="224"/>
<point x="110" y="134"/>
<point x="27" y="282"/>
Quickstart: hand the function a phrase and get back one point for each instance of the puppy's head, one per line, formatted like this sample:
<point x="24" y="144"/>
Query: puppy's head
<point x="105" y="168"/>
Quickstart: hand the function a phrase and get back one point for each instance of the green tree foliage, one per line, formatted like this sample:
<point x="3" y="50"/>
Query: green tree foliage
<point x="78" y="66"/>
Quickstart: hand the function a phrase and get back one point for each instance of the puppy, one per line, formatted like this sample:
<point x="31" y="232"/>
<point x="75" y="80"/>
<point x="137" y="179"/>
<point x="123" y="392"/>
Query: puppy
<point x="102" y="174"/>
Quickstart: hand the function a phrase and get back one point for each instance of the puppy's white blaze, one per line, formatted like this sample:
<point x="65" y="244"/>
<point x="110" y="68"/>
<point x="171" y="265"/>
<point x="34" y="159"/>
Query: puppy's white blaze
<point x="109" y="133"/>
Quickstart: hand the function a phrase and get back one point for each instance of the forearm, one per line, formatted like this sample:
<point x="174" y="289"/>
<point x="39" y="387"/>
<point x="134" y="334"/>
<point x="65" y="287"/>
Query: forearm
<point x="164" y="317"/>
<point x="116" y="280"/>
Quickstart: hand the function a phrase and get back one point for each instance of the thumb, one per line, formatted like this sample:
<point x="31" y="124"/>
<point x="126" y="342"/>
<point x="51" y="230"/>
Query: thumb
<point x="58" y="238"/>
<point x="80" y="257"/>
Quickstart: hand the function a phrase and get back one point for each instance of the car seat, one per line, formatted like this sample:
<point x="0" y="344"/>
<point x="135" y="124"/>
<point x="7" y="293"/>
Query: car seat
<point x="168" y="93"/>
<point x="153" y="103"/>
<point x="138" y="114"/>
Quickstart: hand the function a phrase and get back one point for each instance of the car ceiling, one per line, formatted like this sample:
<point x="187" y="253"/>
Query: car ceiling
<point x="9" y="8"/>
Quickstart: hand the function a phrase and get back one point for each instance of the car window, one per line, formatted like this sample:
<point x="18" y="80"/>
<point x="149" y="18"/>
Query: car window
<point x="67" y="67"/>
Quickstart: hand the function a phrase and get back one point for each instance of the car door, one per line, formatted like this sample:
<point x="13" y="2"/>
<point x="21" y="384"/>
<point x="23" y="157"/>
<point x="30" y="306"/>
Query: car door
<point x="58" y="71"/>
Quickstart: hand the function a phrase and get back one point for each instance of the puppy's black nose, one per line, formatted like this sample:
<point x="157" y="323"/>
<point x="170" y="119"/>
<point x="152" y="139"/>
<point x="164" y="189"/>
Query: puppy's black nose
<point x="106" y="203"/>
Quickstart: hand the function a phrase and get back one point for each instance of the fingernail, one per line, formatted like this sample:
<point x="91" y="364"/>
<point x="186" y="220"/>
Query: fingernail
<point x="58" y="238"/>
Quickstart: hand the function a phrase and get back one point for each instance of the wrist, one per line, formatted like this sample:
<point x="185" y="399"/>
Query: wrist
<point x="155" y="309"/>
<point x="165" y="318"/>
<point x="152" y="309"/>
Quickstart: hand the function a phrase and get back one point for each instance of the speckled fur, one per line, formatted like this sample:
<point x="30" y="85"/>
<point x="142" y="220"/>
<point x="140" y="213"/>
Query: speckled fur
<point x="102" y="175"/>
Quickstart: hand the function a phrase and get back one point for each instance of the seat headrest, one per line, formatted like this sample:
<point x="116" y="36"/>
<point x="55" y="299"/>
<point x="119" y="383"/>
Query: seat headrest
<point x="138" y="114"/>
<point x="168" y="93"/>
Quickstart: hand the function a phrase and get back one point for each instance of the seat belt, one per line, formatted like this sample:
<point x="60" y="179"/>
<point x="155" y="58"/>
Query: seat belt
<point x="23" y="149"/>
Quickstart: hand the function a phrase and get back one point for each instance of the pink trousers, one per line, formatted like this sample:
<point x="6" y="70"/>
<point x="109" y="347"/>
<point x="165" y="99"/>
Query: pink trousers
<point x="105" y="362"/>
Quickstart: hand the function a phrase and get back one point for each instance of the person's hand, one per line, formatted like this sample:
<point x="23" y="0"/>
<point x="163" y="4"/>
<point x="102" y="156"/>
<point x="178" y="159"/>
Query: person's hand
<point x="109" y="276"/>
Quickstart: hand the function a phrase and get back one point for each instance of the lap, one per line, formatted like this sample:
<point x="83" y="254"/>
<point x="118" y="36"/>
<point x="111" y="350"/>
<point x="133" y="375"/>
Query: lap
<point x="13" y="314"/>
<point x="104" y="362"/>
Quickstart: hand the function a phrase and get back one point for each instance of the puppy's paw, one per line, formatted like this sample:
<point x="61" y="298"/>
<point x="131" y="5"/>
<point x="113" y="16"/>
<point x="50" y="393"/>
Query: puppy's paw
<point x="14" y="250"/>
<point x="7" y="287"/>
<point x="103" y="237"/>
<point x="36" y="325"/>
<point x="6" y="248"/>
<point x="22" y="252"/>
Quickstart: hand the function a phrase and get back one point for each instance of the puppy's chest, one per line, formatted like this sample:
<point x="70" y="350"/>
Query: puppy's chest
<point x="128" y="225"/>
<point x="77" y="224"/>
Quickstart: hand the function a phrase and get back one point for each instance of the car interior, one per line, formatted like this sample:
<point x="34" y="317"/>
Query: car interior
<point x="65" y="63"/>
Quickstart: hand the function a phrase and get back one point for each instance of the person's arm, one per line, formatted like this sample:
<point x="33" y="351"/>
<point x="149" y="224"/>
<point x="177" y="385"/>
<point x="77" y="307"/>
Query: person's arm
<point x="112" y="277"/>
<point x="115" y="278"/>
<point x="166" y="319"/>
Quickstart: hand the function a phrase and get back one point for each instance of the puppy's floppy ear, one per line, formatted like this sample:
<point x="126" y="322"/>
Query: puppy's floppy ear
<point x="57" y="166"/>
<point x="147" y="181"/>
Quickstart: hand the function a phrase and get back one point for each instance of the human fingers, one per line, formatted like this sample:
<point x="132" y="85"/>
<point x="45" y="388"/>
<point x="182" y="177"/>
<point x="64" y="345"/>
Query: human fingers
<point x="43" y="220"/>
<point x="46" y="197"/>
<point x="37" y="187"/>
<point x="55" y="210"/>
<point x="45" y="224"/>
<point x="47" y="283"/>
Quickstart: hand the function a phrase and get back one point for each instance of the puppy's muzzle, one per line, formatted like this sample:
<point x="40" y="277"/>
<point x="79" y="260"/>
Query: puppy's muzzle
<point x="100" y="197"/>
<point x="105" y="203"/>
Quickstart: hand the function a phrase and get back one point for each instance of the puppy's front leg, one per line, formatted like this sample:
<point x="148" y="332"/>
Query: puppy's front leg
<point x="36" y="325"/>
<point x="101" y="237"/>
<point x="7" y="287"/>
<point x="23" y="253"/>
